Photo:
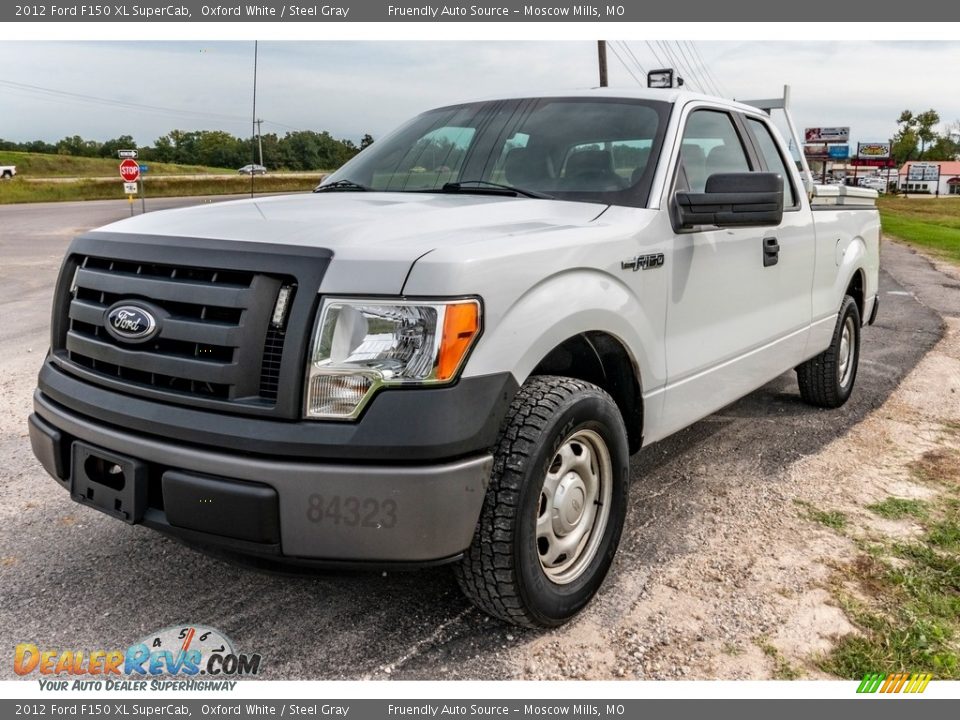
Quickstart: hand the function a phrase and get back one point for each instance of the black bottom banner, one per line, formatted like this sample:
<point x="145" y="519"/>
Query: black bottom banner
<point x="874" y="708"/>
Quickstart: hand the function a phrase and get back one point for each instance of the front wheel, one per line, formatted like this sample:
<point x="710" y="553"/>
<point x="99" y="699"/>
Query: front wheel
<point x="827" y="379"/>
<point x="554" y="510"/>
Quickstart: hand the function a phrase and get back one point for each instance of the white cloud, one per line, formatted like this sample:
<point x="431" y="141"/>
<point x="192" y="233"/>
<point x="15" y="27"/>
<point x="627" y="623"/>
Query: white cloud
<point x="350" y="88"/>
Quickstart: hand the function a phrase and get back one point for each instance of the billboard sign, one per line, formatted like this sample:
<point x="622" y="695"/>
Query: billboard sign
<point x="873" y="151"/>
<point x="838" y="152"/>
<point x="826" y="134"/>
<point x="815" y="151"/>
<point x="923" y="171"/>
<point x="870" y="162"/>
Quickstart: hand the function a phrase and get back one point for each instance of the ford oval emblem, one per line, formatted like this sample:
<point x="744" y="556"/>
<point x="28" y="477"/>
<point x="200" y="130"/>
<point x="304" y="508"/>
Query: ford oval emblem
<point x="131" y="323"/>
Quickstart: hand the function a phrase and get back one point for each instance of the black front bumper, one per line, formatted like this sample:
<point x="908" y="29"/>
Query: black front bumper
<point x="405" y="484"/>
<point x="408" y="425"/>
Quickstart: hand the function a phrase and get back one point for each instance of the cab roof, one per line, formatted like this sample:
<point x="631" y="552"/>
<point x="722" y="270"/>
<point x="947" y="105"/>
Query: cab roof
<point x="669" y="95"/>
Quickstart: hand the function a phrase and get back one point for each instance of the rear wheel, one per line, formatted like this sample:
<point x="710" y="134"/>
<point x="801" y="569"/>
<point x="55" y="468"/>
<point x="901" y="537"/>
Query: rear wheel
<point x="554" y="510"/>
<point x="827" y="379"/>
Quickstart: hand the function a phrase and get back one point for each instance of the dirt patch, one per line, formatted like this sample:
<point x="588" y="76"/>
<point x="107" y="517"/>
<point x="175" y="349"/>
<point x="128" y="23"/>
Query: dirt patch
<point x="940" y="465"/>
<point x="755" y="596"/>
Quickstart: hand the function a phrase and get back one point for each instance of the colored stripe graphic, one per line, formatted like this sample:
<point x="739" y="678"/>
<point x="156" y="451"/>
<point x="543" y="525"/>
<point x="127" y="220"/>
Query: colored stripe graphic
<point x="913" y="683"/>
<point x="871" y="682"/>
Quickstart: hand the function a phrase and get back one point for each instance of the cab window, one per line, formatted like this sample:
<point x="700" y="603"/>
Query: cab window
<point x="710" y="145"/>
<point x="773" y="159"/>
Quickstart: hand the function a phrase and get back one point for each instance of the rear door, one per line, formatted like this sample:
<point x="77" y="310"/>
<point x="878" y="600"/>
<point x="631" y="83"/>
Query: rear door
<point x="739" y="298"/>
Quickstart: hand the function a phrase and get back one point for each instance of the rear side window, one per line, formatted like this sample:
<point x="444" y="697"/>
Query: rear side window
<point x="710" y="146"/>
<point x="773" y="158"/>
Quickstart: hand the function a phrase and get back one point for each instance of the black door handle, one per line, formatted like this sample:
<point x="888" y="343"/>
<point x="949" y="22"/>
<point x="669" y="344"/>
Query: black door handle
<point x="771" y="251"/>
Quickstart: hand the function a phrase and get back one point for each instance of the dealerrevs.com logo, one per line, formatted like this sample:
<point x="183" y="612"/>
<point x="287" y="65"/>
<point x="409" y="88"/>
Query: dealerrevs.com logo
<point x="184" y="652"/>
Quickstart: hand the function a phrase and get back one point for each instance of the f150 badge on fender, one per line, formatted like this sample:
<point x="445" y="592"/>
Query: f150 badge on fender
<point x="643" y="262"/>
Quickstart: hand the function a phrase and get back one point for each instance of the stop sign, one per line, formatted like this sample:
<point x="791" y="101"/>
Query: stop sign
<point x="130" y="170"/>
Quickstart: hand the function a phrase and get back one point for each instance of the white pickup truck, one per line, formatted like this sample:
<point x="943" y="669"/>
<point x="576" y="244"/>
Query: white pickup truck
<point x="7" y="172"/>
<point x="448" y="353"/>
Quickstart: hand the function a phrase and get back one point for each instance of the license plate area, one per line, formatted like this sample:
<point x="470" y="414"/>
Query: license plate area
<point x="114" y="484"/>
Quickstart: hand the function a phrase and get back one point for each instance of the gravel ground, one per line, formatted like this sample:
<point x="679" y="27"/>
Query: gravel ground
<point x="695" y="583"/>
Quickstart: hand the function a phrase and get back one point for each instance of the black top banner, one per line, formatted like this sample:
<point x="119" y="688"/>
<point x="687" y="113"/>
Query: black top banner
<point x="740" y="11"/>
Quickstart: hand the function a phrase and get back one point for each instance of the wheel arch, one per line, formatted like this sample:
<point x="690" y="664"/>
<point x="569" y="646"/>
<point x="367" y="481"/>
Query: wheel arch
<point x="600" y="358"/>
<point x="856" y="288"/>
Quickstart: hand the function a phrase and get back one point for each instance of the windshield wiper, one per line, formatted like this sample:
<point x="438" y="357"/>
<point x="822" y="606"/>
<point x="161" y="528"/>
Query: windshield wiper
<point x="458" y="187"/>
<point x="342" y="185"/>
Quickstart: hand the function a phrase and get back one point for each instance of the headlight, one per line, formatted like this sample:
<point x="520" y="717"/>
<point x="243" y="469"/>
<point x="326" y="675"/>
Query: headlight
<point x="360" y="346"/>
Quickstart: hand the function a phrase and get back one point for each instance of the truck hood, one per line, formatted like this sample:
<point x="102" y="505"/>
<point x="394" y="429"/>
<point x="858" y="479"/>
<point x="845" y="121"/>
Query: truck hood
<point x="375" y="237"/>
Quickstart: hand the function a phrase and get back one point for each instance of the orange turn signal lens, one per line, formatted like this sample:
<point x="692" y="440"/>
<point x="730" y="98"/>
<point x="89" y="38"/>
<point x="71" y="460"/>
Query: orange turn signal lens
<point x="461" y="322"/>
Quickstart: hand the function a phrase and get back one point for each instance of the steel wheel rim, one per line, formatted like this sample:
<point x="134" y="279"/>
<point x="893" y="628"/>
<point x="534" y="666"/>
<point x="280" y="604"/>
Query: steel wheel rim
<point x="574" y="506"/>
<point x="845" y="366"/>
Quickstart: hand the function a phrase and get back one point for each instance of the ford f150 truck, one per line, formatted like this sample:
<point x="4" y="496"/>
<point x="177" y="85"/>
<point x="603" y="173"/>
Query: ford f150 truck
<point x="448" y="352"/>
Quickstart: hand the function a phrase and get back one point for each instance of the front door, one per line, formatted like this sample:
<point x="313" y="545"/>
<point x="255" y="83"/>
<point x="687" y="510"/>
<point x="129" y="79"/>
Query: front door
<point x="739" y="298"/>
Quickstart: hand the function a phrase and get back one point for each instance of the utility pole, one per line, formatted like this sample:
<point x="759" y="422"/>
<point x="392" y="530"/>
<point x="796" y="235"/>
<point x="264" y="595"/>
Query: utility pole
<point x="253" y="115"/>
<point x="259" y="139"/>
<point x="602" y="58"/>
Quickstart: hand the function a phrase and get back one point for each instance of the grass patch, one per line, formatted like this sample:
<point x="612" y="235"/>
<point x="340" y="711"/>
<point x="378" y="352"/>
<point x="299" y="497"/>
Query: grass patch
<point x="782" y="670"/>
<point x="19" y="191"/>
<point x="43" y="165"/>
<point x="894" y="508"/>
<point x="833" y="519"/>
<point x="929" y="223"/>
<point x="907" y="599"/>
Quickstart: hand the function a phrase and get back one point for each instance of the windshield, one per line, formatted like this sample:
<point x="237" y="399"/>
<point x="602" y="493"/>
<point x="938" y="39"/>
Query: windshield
<point x="589" y="149"/>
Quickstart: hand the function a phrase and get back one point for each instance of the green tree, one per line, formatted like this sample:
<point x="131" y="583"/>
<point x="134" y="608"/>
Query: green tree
<point x="110" y="147"/>
<point x="77" y="146"/>
<point x="904" y="145"/>
<point x="915" y="129"/>
<point x="946" y="146"/>
<point x="217" y="148"/>
<point x="925" y="124"/>
<point x="366" y="141"/>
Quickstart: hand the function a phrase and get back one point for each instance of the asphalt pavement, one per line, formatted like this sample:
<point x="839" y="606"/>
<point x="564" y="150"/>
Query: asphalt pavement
<point x="71" y="577"/>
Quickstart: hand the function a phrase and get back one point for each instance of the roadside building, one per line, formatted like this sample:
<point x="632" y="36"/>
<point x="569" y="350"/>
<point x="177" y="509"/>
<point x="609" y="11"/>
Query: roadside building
<point x="948" y="184"/>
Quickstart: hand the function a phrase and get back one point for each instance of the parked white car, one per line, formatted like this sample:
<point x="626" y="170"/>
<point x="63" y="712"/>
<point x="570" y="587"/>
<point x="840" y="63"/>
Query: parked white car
<point x="448" y="353"/>
<point x="874" y="183"/>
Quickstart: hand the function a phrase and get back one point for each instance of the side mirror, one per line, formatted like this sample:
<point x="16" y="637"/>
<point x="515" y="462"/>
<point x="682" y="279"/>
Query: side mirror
<point x="733" y="200"/>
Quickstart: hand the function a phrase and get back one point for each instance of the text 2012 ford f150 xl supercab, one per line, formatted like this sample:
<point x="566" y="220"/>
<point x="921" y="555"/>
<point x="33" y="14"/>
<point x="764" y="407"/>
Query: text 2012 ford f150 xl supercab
<point x="449" y="352"/>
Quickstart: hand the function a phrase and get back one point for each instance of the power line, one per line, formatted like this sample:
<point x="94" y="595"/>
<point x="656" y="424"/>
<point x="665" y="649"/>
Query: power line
<point x="112" y="102"/>
<point x="709" y="72"/>
<point x="52" y="94"/>
<point x="677" y="64"/>
<point x="691" y="58"/>
<point x="656" y="55"/>
<point x="626" y="48"/>
<point x="625" y="66"/>
<point x="705" y="71"/>
<point x="704" y="86"/>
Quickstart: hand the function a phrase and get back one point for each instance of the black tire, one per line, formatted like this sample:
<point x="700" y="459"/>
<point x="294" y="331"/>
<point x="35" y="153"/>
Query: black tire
<point x="7" y="175"/>
<point x="503" y="570"/>
<point x="822" y="380"/>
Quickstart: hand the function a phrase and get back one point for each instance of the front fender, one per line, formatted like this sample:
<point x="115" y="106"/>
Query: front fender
<point x="562" y="306"/>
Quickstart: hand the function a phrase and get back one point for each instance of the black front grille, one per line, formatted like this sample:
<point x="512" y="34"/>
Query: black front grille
<point x="215" y="339"/>
<point x="270" y="369"/>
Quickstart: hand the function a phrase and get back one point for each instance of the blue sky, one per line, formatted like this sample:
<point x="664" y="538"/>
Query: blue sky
<point x="351" y="88"/>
